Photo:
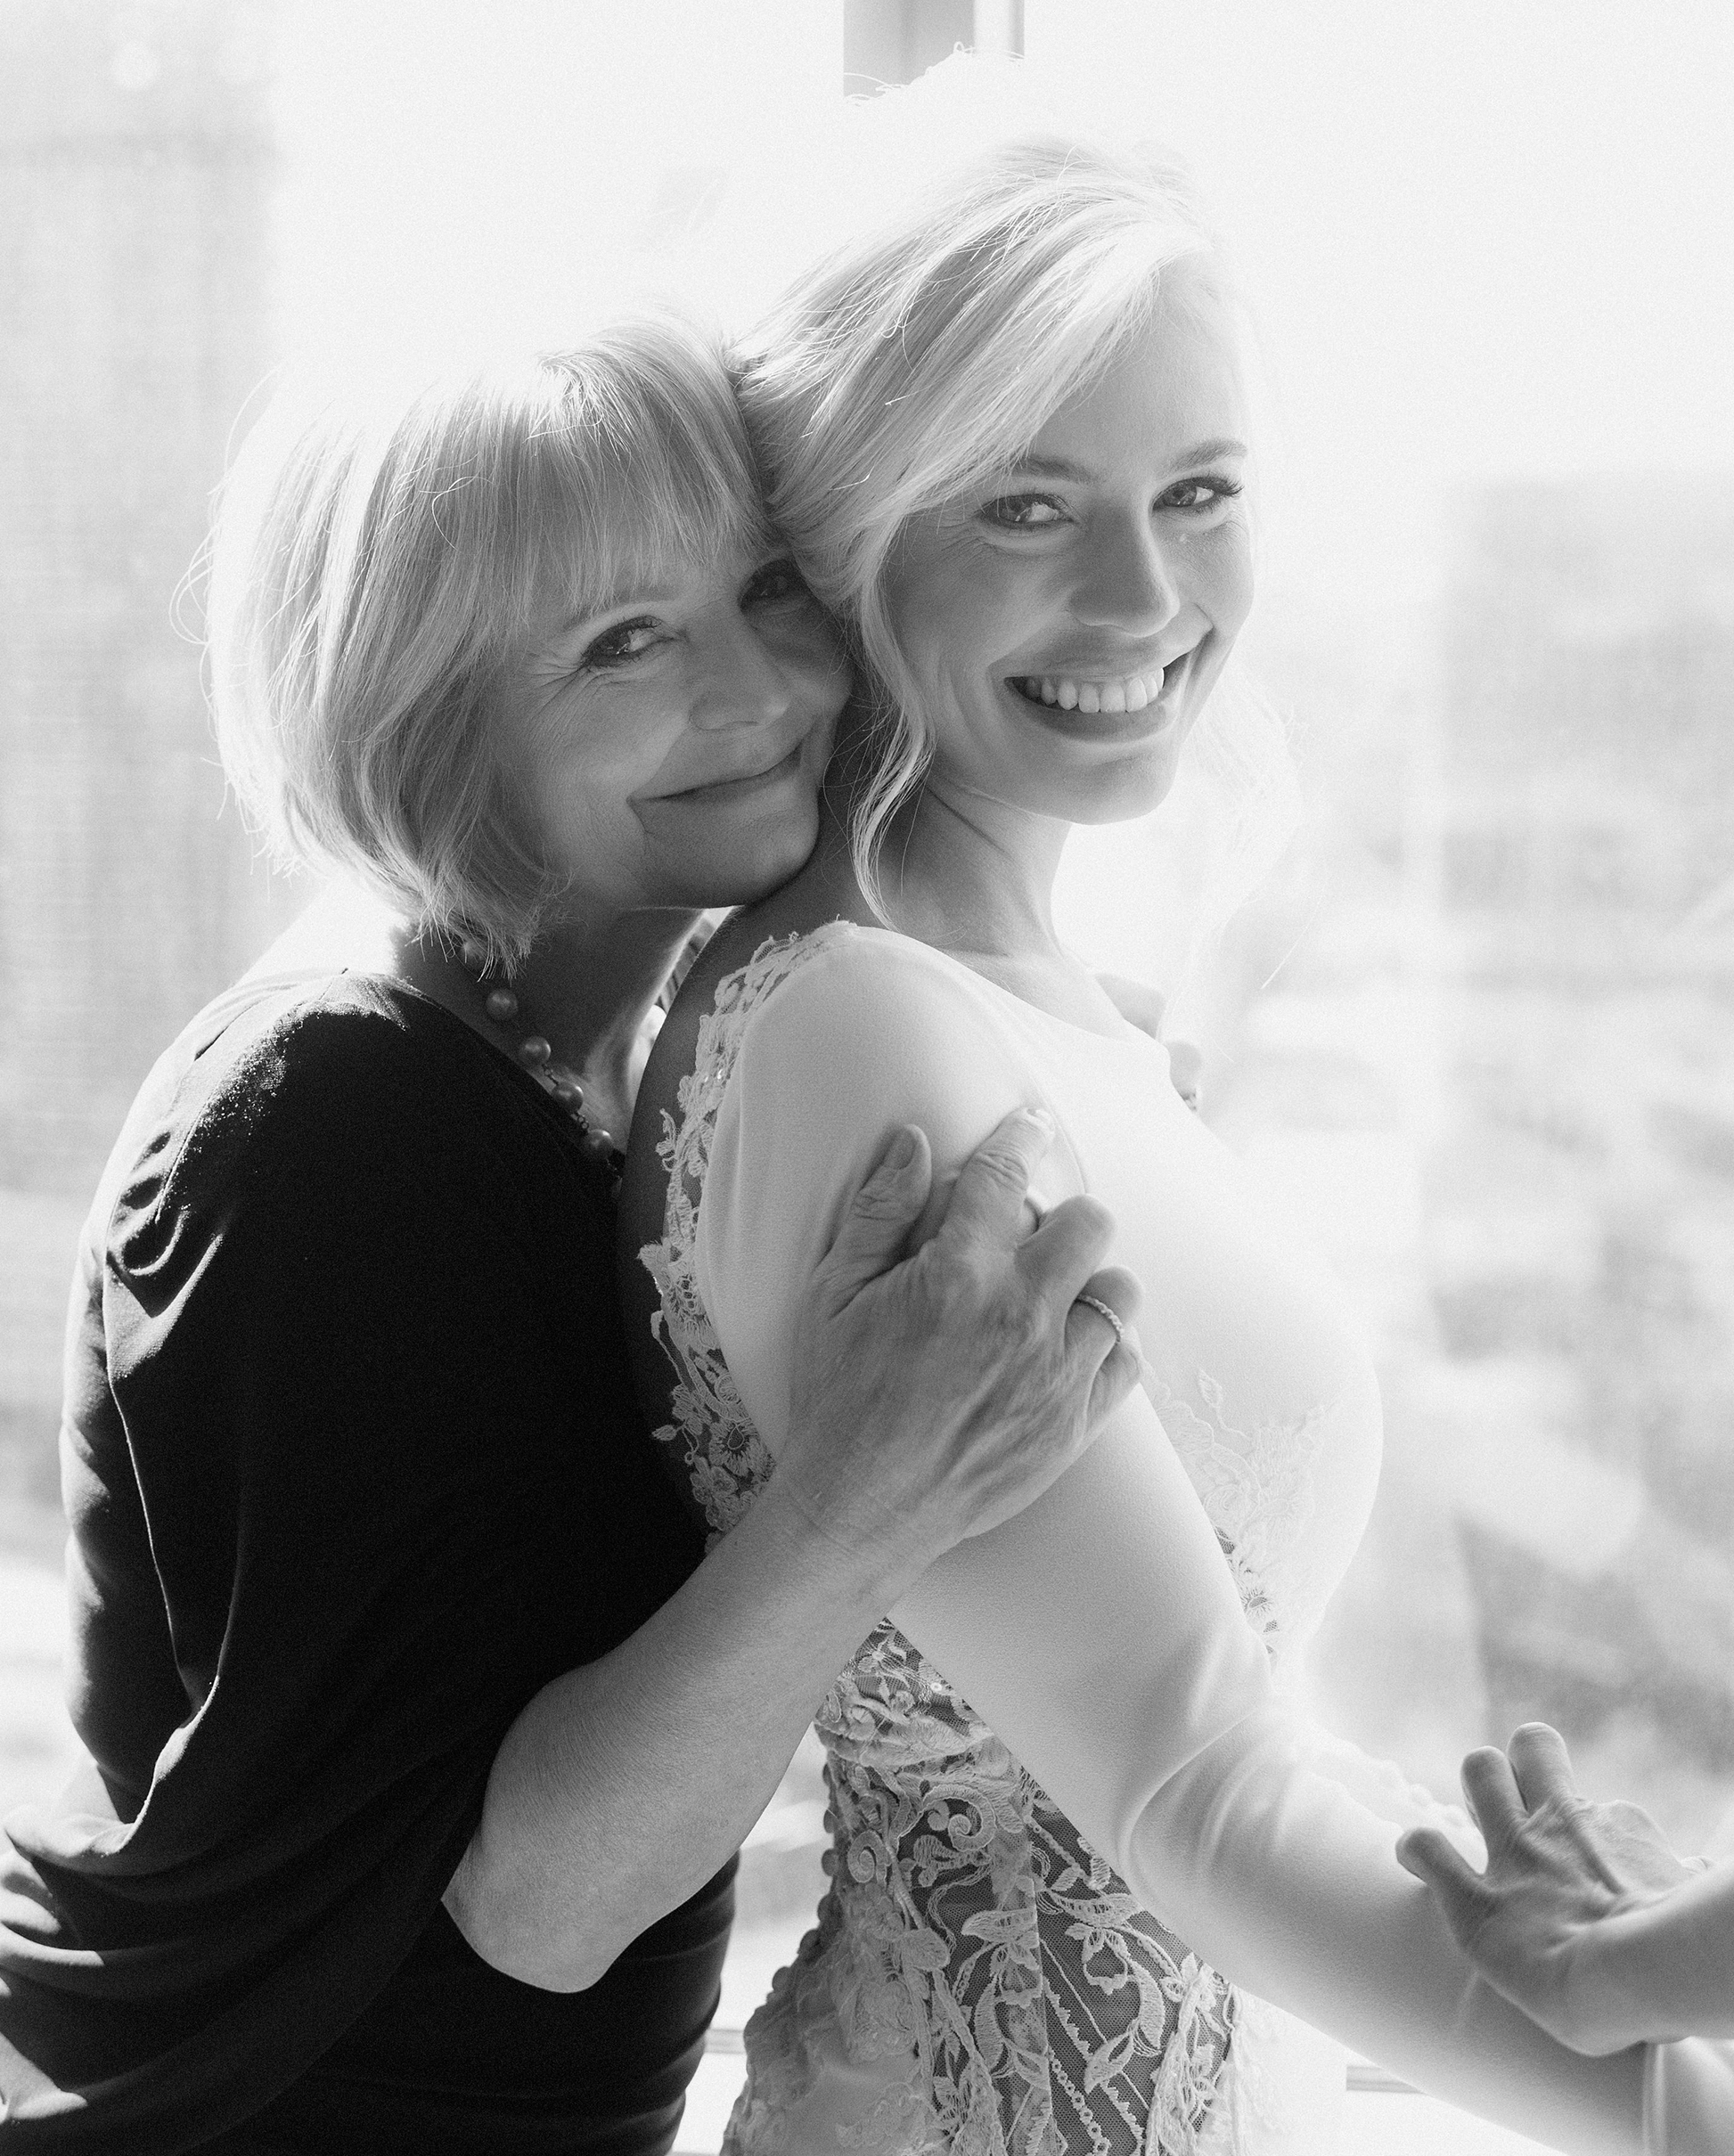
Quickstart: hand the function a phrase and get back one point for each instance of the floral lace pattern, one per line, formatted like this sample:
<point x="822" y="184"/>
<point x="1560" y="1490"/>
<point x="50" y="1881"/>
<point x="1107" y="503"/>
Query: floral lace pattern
<point x="989" y="1981"/>
<point x="1256" y="1488"/>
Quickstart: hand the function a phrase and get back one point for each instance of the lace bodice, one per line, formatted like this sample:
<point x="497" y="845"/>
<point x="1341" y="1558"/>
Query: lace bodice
<point x="987" y="1967"/>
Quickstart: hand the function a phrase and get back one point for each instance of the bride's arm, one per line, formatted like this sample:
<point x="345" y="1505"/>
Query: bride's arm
<point x="934" y="1395"/>
<point x="1099" y="1633"/>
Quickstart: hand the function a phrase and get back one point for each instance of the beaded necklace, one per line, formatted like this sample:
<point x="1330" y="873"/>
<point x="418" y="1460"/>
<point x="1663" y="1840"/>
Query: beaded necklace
<point x="534" y="1053"/>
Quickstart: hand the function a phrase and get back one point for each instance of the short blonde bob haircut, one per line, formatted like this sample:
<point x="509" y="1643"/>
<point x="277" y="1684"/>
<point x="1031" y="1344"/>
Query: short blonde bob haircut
<point x="376" y="560"/>
<point x="919" y="361"/>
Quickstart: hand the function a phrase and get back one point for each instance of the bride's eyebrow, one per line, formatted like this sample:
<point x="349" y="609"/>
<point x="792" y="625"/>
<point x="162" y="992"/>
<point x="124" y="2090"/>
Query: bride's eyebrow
<point x="1207" y="452"/>
<point x="1051" y="468"/>
<point x="1062" y="468"/>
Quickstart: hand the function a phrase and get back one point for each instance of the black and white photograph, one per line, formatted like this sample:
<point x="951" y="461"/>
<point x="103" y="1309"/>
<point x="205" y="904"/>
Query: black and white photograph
<point x="866" y="1077"/>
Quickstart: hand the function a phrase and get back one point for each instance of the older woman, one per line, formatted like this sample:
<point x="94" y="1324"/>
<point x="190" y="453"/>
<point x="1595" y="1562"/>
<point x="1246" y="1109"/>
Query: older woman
<point x="1005" y="431"/>
<point x="421" y="1730"/>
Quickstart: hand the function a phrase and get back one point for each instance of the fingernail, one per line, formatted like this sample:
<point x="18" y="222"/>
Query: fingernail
<point x="903" y="1151"/>
<point x="1044" y="1122"/>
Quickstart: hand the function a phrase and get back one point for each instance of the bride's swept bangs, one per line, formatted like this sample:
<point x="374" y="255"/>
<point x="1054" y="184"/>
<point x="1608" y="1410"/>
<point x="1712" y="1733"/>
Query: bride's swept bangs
<point x="377" y="555"/>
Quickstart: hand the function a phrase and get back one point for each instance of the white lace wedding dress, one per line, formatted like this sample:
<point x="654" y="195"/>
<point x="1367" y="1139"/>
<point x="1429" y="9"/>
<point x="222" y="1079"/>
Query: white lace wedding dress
<point x="990" y="1972"/>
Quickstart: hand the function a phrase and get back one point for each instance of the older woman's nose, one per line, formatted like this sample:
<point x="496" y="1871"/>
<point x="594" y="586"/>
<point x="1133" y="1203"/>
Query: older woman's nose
<point x="741" y="680"/>
<point x="1128" y="583"/>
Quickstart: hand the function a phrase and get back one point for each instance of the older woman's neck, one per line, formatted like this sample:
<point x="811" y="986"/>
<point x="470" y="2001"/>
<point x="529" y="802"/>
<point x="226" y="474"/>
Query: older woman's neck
<point x="588" y="987"/>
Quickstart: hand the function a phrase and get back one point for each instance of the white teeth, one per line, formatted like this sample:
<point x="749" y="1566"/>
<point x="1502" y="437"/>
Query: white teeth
<point x="1129" y="692"/>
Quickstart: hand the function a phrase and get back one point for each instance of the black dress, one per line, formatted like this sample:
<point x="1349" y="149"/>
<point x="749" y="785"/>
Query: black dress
<point x="353" y="1467"/>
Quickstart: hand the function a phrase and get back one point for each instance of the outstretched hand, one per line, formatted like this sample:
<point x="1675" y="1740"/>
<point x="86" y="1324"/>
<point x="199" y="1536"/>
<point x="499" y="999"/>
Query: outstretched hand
<point x="1543" y="1922"/>
<point x="946" y="1371"/>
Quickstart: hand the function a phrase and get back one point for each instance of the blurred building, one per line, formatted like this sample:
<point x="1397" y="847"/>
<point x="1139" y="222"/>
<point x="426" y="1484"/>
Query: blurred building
<point x="136" y="153"/>
<point x="1487" y="1046"/>
<point x="1581" y="1199"/>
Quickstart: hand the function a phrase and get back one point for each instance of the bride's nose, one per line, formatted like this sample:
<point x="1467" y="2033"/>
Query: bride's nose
<point x="1127" y="582"/>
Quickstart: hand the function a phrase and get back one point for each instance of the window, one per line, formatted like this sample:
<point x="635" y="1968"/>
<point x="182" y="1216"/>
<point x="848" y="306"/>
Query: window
<point x="1478" y="1027"/>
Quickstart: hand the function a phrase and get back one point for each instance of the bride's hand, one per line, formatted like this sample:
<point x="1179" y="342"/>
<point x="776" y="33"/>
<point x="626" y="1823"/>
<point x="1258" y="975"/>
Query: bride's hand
<point x="940" y="1389"/>
<point x="1545" y="1922"/>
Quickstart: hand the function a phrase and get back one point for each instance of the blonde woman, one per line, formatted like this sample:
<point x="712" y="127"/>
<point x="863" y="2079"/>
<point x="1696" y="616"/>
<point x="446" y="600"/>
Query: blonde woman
<point x="1006" y="435"/>
<point x="420" y="1732"/>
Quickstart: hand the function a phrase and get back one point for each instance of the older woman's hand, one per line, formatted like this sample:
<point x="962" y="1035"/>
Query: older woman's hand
<point x="1559" y="1922"/>
<point x="941" y="1389"/>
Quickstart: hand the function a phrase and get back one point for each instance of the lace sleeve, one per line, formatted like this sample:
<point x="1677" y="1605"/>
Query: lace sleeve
<point x="1099" y="1633"/>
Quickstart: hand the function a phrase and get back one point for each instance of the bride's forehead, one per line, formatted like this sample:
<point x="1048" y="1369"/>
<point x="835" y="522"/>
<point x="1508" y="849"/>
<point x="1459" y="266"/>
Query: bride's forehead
<point x="1175" y="382"/>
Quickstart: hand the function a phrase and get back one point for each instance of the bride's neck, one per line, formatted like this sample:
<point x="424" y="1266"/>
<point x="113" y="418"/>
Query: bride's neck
<point x="963" y="872"/>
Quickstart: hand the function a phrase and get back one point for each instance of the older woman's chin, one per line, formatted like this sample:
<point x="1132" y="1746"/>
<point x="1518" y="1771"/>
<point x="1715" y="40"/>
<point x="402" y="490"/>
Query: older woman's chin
<point x="729" y="858"/>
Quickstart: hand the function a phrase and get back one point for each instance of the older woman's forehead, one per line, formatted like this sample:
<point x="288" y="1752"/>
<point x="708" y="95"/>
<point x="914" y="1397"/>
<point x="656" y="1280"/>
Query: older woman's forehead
<point x="605" y="531"/>
<point x="653" y="573"/>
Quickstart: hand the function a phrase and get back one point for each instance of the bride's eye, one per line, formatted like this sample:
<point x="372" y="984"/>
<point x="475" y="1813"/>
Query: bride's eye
<point x="619" y="645"/>
<point x="1023" y="512"/>
<point x="1195" y="496"/>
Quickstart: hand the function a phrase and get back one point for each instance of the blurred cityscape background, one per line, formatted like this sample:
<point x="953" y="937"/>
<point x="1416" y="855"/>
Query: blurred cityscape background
<point x="1480" y="1026"/>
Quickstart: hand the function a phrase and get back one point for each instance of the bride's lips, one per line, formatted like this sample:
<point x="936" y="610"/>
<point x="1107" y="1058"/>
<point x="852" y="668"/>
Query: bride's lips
<point x="1101" y="706"/>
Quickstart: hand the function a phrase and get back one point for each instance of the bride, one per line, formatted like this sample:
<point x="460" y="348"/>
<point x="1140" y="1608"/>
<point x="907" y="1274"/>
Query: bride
<point x="1073" y="1814"/>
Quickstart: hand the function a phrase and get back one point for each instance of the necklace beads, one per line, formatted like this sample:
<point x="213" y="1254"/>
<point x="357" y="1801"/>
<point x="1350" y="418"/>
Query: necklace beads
<point x="534" y="1053"/>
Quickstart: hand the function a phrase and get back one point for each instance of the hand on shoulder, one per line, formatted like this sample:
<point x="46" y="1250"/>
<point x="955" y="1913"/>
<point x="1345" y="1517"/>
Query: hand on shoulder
<point x="940" y="1388"/>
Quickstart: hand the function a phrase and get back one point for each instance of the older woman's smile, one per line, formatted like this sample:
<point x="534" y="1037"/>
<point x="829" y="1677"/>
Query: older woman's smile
<point x="757" y="777"/>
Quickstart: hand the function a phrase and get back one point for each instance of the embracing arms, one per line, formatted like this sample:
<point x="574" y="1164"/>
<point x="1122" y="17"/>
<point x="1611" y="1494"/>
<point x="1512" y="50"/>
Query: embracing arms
<point x="931" y="1398"/>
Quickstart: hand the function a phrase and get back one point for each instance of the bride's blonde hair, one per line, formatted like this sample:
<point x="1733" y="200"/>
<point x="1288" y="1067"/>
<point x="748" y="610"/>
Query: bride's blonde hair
<point x="916" y="363"/>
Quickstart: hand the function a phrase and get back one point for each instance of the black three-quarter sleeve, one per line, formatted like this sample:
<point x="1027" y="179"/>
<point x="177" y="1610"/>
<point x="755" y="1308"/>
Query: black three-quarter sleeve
<point x="352" y="1470"/>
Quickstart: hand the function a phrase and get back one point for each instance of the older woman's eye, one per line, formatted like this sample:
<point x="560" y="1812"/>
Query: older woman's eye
<point x="615" y="647"/>
<point x="1023" y="512"/>
<point x="775" y="582"/>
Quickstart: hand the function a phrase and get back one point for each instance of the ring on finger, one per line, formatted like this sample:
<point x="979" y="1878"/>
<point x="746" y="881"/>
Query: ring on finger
<point x="1102" y="1310"/>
